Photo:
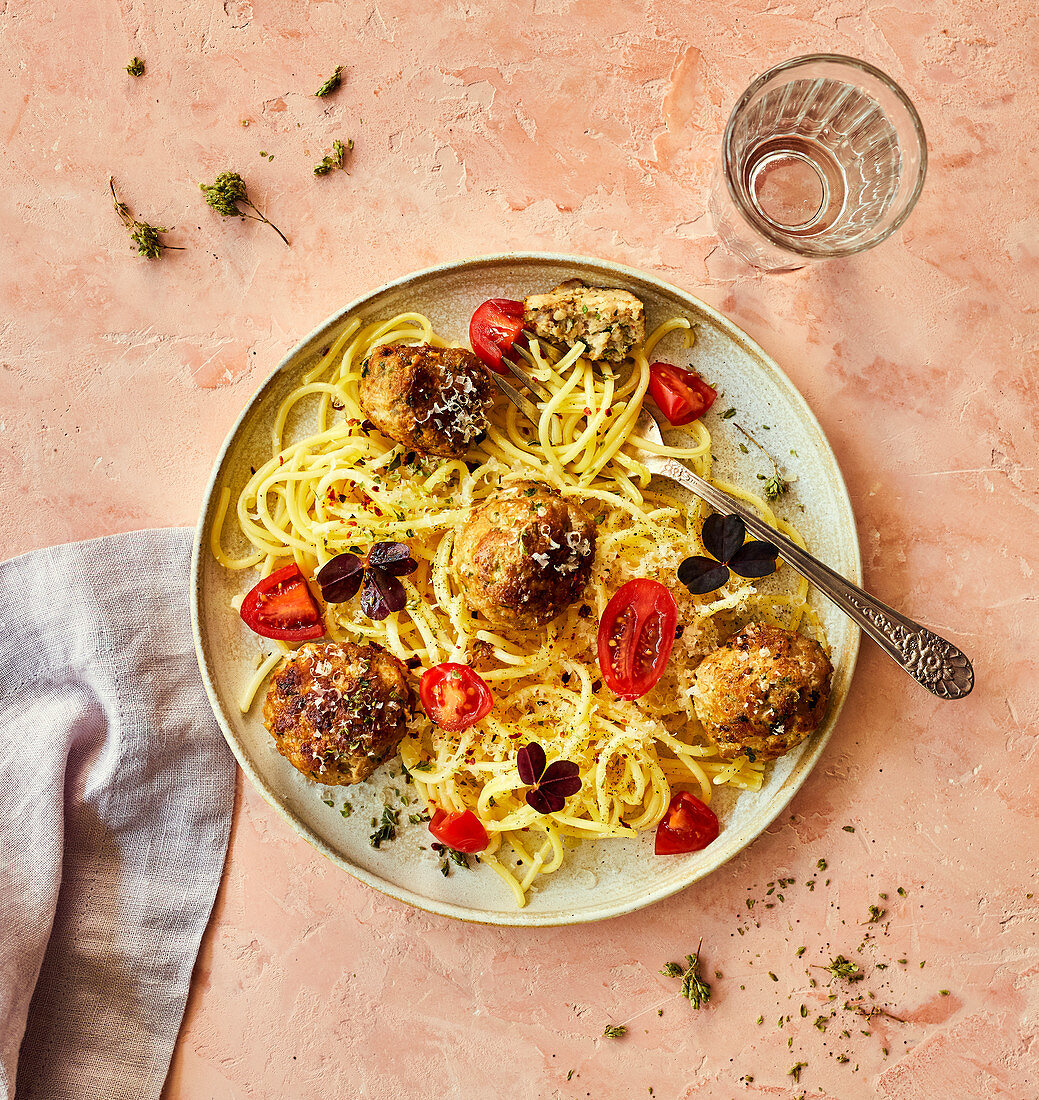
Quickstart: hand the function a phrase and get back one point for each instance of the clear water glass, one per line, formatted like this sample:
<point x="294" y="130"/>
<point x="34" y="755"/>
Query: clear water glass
<point x="823" y="156"/>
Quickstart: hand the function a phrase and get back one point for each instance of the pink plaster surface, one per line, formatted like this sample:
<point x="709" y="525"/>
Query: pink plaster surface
<point x="591" y="128"/>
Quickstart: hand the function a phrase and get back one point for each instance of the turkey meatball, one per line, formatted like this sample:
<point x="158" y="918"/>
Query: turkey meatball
<point x="432" y="400"/>
<point x="763" y="692"/>
<point x="336" y="712"/>
<point x="524" y="555"/>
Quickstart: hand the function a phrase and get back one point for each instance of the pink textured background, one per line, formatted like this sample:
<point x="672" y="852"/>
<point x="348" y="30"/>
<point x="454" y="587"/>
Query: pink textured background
<point x="592" y="128"/>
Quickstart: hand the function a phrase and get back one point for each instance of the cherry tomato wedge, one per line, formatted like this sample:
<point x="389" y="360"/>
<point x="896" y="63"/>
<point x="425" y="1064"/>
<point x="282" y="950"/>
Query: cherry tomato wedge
<point x="494" y="328"/>
<point x="683" y="396"/>
<point x="636" y="634"/>
<point x="461" y="830"/>
<point x="688" y="826"/>
<point x="454" y="696"/>
<point x="281" y="606"/>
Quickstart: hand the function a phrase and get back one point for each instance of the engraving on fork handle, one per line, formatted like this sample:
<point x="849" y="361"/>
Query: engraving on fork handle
<point x="931" y="660"/>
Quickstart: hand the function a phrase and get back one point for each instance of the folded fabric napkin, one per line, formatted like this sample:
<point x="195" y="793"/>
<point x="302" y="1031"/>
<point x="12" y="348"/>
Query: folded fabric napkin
<point x="116" y="792"/>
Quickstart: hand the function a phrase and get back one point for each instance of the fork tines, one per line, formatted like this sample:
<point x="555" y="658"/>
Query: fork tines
<point x="522" y="403"/>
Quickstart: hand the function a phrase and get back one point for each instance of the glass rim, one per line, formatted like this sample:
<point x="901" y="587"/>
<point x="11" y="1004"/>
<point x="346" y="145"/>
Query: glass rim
<point x="842" y="59"/>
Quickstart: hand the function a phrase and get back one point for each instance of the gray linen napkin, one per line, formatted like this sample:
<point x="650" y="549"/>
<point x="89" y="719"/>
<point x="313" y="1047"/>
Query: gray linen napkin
<point x="116" y="791"/>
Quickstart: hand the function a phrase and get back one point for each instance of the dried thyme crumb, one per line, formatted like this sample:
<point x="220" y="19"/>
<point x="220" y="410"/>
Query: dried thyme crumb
<point x="136" y="67"/>
<point x="795" y="1070"/>
<point x="799" y="952"/>
<point x="332" y="83"/>
<point x="943" y="993"/>
<point x="849" y="828"/>
<point x="615" y="1031"/>
<point x="901" y="892"/>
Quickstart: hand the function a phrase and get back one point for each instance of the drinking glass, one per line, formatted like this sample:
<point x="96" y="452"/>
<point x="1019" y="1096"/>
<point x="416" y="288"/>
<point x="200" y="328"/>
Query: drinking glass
<point x="823" y="156"/>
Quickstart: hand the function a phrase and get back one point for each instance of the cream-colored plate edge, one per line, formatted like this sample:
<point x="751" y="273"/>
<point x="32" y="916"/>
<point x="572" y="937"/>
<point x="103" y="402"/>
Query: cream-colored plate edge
<point x="521" y="917"/>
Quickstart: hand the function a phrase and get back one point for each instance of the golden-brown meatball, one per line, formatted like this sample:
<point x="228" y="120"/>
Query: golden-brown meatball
<point x="524" y="554"/>
<point x="432" y="400"/>
<point x="336" y="712"/>
<point x="763" y="692"/>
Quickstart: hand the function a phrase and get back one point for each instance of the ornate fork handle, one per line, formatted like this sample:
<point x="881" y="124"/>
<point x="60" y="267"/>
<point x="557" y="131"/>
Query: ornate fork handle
<point x="929" y="659"/>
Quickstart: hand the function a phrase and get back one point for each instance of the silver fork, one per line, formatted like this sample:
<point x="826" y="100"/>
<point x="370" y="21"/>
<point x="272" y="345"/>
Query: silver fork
<point x="931" y="660"/>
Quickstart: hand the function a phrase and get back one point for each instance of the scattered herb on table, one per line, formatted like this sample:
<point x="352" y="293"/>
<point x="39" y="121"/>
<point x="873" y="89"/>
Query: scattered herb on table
<point x="227" y="192"/>
<point x="848" y="828"/>
<point x="145" y="236"/>
<point x="331" y="84"/>
<point x="695" y="990"/>
<point x="795" y="1070"/>
<point x="615" y="1031"/>
<point x="840" y="967"/>
<point x="136" y="67"/>
<point x="876" y="913"/>
<point x="334" y="160"/>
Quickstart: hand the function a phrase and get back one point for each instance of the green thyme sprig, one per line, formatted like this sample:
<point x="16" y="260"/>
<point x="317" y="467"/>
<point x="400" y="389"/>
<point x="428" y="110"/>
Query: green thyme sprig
<point x="776" y="485"/>
<point x="136" y="67"/>
<point x="840" y="967"/>
<point x="335" y="159"/>
<point x="145" y="236"/>
<point x="331" y="84"/>
<point x="695" y="990"/>
<point x="227" y="192"/>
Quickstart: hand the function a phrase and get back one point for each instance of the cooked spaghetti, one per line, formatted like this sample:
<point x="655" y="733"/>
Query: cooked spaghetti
<point x="342" y="488"/>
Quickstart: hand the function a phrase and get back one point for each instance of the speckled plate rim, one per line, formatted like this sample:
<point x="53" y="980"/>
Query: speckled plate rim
<point x="523" y="917"/>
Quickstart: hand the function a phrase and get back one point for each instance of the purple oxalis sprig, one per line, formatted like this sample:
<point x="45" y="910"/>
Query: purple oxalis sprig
<point x="723" y="537"/>
<point x="375" y="575"/>
<point x="549" y="787"/>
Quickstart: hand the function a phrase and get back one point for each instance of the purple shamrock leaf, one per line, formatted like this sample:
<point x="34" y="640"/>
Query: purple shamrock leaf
<point x="530" y="761"/>
<point x="723" y="535"/>
<point x="702" y="575"/>
<point x="381" y="594"/>
<point x="754" y="559"/>
<point x="393" y="558"/>
<point x="340" y="578"/>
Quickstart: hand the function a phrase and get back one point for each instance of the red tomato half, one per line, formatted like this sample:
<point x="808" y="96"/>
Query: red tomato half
<point x="281" y="606"/>
<point x="454" y="696"/>
<point x="462" y="831"/>
<point x="688" y="826"/>
<point x="636" y="634"/>
<point x="683" y="396"/>
<point x="493" y="330"/>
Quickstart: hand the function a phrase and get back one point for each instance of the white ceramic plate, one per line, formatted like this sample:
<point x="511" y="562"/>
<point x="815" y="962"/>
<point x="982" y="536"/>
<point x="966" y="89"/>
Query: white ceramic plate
<point x="600" y="879"/>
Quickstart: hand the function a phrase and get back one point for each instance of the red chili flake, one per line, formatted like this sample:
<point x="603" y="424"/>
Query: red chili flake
<point x="609" y="412"/>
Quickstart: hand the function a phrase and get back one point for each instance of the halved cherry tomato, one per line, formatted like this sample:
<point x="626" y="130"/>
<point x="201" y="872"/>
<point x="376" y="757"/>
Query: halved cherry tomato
<point x="454" y="696"/>
<point x="494" y="329"/>
<point x="461" y="830"/>
<point x="688" y="826"/>
<point x="281" y="606"/>
<point x="636" y="634"/>
<point x="683" y="396"/>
